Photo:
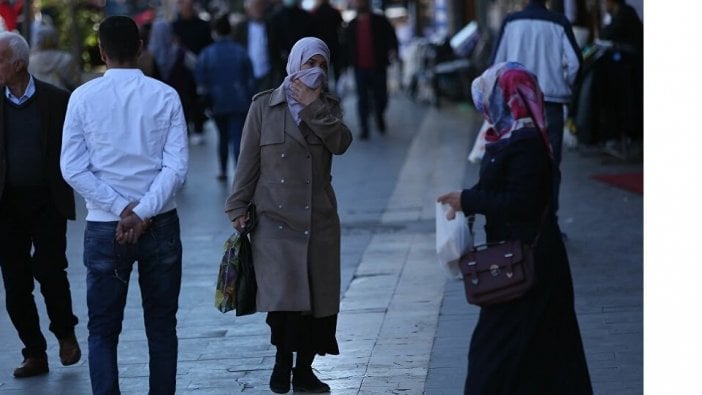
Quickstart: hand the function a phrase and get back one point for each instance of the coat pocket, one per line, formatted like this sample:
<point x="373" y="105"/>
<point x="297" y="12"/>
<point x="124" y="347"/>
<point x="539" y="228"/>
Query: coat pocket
<point x="271" y="134"/>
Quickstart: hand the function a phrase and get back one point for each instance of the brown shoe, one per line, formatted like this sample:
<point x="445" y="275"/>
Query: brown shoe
<point x="32" y="367"/>
<point x="69" y="351"/>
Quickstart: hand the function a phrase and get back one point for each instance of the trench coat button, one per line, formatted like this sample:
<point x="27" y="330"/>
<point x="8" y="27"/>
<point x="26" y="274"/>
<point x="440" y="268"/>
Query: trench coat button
<point x="282" y="155"/>
<point x="307" y="207"/>
<point x="280" y="227"/>
<point x="307" y="232"/>
<point x="308" y="156"/>
<point x="307" y="181"/>
<point x="280" y="206"/>
<point x="282" y="180"/>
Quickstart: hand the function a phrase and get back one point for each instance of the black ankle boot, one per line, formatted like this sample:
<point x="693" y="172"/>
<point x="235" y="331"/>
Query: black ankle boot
<point x="304" y="380"/>
<point x="280" y="378"/>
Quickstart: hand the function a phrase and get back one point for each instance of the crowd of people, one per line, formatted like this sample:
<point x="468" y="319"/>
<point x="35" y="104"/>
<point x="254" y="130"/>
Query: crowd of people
<point x="267" y="81"/>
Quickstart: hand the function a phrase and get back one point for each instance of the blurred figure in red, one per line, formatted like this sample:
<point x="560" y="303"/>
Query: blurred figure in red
<point x="371" y="46"/>
<point x="9" y="11"/>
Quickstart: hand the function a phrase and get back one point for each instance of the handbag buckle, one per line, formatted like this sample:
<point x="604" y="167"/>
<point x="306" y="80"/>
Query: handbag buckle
<point x="494" y="270"/>
<point x="509" y="255"/>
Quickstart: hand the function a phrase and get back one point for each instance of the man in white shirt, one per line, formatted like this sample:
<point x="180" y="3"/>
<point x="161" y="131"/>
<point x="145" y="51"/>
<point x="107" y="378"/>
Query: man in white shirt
<point x="125" y="151"/>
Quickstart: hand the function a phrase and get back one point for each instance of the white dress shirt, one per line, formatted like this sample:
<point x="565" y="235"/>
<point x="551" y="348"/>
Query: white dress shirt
<point x="258" y="48"/>
<point x="125" y="140"/>
<point x="28" y="92"/>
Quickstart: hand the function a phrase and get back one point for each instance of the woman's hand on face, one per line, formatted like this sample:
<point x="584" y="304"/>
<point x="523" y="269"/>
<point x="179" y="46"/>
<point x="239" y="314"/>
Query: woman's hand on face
<point x="302" y="94"/>
<point x="453" y="199"/>
<point x="239" y="223"/>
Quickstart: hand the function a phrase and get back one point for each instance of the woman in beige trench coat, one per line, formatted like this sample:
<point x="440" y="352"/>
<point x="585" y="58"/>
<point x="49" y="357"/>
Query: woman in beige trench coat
<point x="289" y="137"/>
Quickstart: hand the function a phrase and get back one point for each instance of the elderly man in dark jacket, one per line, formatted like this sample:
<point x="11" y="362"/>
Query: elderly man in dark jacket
<point x="35" y="203"/>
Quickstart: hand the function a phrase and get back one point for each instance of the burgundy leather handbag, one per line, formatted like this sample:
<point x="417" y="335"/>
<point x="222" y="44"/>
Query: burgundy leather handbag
<point x="498" y="272"/>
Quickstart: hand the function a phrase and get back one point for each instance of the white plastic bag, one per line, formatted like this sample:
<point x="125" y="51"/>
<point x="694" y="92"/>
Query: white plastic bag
<point x="453" y="240"/>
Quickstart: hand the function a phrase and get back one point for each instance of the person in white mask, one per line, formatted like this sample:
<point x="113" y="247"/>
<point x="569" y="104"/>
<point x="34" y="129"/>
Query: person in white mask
<point x="284" y="168"/>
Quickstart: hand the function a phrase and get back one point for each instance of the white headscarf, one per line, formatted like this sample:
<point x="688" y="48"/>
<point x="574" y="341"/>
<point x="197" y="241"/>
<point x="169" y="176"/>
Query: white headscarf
<point x="313" y="77"/>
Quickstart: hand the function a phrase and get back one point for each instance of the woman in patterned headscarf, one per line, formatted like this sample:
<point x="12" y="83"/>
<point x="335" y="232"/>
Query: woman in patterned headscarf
<point x="531" y="345"/>
<point x="287" y="145"/>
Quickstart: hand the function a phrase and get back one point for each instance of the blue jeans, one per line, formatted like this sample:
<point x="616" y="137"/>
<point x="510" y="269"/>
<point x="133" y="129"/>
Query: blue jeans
<point x="230" y="127"/>
<point x="159" y="255"/>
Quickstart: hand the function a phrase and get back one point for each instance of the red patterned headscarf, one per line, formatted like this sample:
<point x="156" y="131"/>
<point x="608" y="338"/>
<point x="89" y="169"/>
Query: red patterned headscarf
<point x="509" y="97"/>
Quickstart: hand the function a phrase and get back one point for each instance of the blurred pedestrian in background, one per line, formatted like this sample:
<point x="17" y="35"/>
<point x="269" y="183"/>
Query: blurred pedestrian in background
<point x="290" y="24"/>
<point x="147" y="61"/>
<point x="225" y="76"/>
<point x="52" y="65"/>
<point x="126" y="153"/>
<point x="35" y="203"/>
<point x="289" y="138"/>
<point x="624" y="73"/>
<point x="371" y="46"/>
<point x="544" y="43"/>
<point x="43" y="16"/>
<point x="531" y="345"/>
<point x="256" y="34"/>
<point x="328" y="27"/>
<point x="193" y="34"/>
<point x="172" y="60"/>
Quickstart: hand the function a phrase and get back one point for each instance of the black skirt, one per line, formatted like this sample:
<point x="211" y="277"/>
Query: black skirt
<point x="295" y="331"/>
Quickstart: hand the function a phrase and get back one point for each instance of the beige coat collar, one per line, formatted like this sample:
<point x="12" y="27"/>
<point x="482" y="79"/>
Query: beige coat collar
<point x="289" y="125"/>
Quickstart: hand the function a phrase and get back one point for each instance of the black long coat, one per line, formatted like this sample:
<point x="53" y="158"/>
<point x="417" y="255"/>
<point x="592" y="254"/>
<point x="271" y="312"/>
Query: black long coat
<point x="532" y="345"/>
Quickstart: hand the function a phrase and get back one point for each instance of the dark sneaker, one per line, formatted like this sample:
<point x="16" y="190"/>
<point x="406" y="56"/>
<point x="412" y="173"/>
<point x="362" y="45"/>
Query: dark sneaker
<point x="31" y="367"/>
<point x="304" y="380"/>
<point x="280" y="379"/>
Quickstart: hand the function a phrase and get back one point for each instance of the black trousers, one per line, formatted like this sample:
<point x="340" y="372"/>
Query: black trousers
<point x="371" y="86"/>
<point x="33" y="239"/>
